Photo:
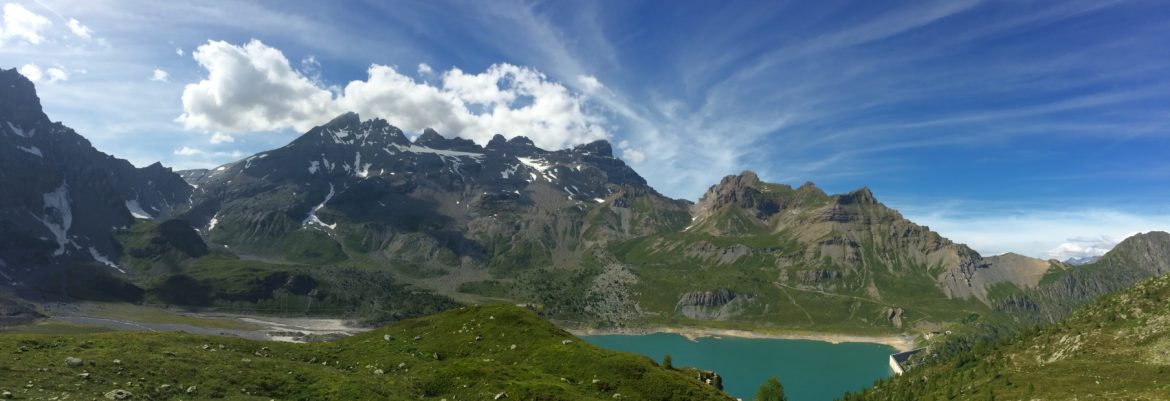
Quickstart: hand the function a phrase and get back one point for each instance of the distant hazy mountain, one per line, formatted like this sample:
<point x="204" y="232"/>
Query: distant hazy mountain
<point x="62" y="198"/>
<point x="1083" y="260"/>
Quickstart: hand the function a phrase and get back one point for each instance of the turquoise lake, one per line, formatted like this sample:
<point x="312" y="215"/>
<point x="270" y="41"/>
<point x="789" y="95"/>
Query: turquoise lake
<point x="809" y="370"/>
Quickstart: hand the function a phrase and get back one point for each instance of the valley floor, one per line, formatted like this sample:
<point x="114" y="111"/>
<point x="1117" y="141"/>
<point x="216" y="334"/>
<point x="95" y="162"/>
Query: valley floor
<point x="900" y="343"/>
<point x="94" y="317"/>
<point x="89" y="317"/>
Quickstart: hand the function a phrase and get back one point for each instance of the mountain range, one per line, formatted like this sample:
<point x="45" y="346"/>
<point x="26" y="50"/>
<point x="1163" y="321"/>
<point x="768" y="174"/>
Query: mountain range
<point x="355" y="218"/>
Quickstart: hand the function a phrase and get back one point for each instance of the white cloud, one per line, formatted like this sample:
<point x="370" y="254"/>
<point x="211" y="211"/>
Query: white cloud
<point x="56" y="74"/>
<point x="21" y="23"/>
<point x="251" y="88"/>
<point x="589" y="83"/>
<point x="1082" y="247"/>
<point x="179" y="51"/>
<point x="32" y="72"/>
<point x="220" y="137"/>
<point x="159" y="75"/>
<point x="630" y="154"/>
<point x="425" y="69"/>
<point x="36" y="74"/>
<point x="254" y="88"/>
<point x="80" y="30"/>
<point x="188" y="151"/>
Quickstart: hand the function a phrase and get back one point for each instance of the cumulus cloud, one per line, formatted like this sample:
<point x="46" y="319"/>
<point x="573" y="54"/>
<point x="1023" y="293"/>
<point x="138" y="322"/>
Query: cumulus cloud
<point x="179" y="51"/>
<point x="251" y="88"/>
<point x="1082" y="248"/>
<point x="425" y="69"/>
<point x="52" y="74"/>
<point x="80" y="30"/>
<point x="589" y="83"/>
<point x="254" y="88"/>
<point x="188" y="151"/>
<point x="220" y="137"/>
<point x="159" y="75"/>
<point x="20" y="23"/>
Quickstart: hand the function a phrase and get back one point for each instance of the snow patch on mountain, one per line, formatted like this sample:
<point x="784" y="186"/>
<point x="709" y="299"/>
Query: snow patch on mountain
<point x="507" y="173"/>
<point x="19" y="131"/>
<point x="58" y="216"/>
<point x="441" y="152"/>
<point x="312" y="218"/>
<point x="104" y="260"/>
<point x="546" y="170"/>
<point x="136" y="210"/>
<point x="32" y="149"/>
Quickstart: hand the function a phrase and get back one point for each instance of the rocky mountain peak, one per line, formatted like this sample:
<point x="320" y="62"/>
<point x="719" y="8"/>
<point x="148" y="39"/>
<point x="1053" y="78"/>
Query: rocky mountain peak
<point x="429" y="136"/>
<point x="519" y="145"/>
<point x="1152" y="248"/>
<point x="861" y="196"/>
<point x="347" y="119"/>
<point x="808" y="188"/>
<point x="432" y="139"/>
<point x="736" y="191"/>
<point x="521" y="141"/>
<point x="746" y="178"/>
<point x="498" y="142"/>
<point x="19" y="104"/>
<point x="600" y="148"/>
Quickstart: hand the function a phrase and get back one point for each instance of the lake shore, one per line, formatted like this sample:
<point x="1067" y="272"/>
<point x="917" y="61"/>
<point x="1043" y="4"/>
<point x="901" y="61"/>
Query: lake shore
<point x="899" y="343"/>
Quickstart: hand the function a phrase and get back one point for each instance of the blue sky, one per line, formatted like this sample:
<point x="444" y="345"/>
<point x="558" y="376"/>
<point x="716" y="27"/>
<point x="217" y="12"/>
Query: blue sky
<point x="1035" y="127"/>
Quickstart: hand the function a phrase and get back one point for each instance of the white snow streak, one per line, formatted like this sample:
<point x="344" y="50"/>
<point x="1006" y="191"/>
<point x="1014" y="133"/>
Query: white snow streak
<point x="57" y="203"/>
<point x="104" y="260"/>
<point x="31" y="149"/>
<point x="312" y="219"/>
<point x="136" y="210"/>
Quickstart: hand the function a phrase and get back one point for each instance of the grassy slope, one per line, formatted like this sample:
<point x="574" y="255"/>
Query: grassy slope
<point x="434" y="357"/>
<point x="231" y="283"/>
<point x="1117" y="348"/>
<point x="666" y="272"/>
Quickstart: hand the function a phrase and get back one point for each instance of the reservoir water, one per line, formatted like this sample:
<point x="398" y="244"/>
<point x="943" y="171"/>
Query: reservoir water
<point x="809" y="370"/>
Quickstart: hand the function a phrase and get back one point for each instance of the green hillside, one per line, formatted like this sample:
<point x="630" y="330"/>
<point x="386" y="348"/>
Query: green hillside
<point x="473" y="353"/>
<point x="1117" y="348"/>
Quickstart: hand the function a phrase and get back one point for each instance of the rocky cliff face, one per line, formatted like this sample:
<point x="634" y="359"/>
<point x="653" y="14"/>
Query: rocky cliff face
<point x="720" y="304"/>
<point x="62" y="198"/>
<point x="853" y="233"/>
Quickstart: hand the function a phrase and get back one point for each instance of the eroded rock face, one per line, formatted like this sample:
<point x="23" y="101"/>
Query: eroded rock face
<point x="707" y="298"/>
<point x="894" y="316"/>
<point x="718" y="304"/>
